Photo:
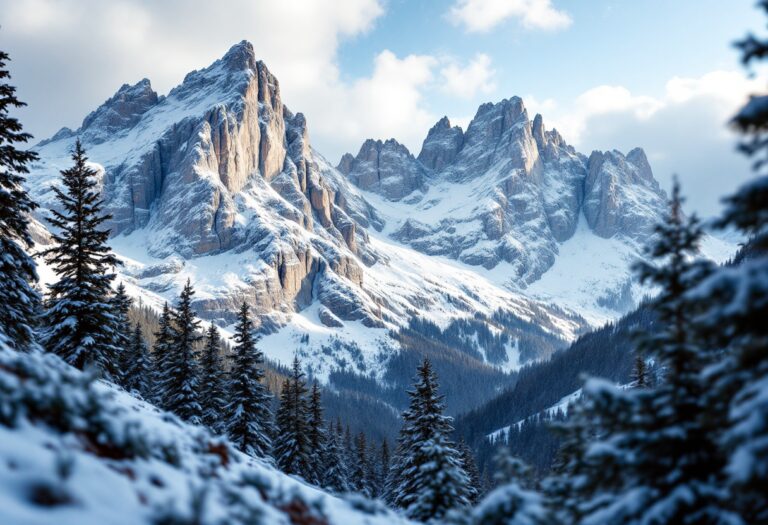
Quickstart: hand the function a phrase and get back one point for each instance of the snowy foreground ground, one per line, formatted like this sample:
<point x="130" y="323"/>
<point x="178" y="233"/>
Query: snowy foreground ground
<point x="82" y="452"/>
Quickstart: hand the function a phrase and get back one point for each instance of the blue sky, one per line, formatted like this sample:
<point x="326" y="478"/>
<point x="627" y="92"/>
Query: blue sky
<point x="607" y="73"/>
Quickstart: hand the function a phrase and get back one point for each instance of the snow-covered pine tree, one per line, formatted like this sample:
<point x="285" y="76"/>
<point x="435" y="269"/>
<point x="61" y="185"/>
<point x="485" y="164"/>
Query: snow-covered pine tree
<point x="78" y="322"/>
<point x="18" y="275"/>
<point x="213" y="382"/>
<point x="138" y="371"/>
<point x="123" y="333"/>
<point x="513" y="500"/>
<point x="511" y="469"/>
<point x="161" y="355"/>
<point x="359" y="478"/>
<point x="291" y="446"/>
<point x="426" y="479"/>
<point x="317" y="437"/>
<point x="639" y="375"/>
<point x="249" y="417"/>
<point x="384" y="463"/>
<point x="735" y="308"/>
<point x="181" y="382"/>
<point x="647" y="455"/>
<point x="335" y="474"/>
<point x="469" y="465"/>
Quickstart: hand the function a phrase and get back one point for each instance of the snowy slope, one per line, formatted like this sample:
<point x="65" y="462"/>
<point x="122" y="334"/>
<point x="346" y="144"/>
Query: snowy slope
<point x="81" y="453"/>
<point x="217" y="182"/>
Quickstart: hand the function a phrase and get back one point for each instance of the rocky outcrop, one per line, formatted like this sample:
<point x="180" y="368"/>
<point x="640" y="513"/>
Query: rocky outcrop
<point x="621" y="195"/>
<point x="441" y="146"/>
<point x="220" y="164"/>
<point x="510" y="190"/>
<point x="386" y="168"/>
<point x="118" y="114"/>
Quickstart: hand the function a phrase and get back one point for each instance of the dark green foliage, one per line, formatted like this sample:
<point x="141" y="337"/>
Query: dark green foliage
<point x="137" y="373"/>
<point x="121" y="307"/>
<point x="161" y="356"/>
<point x="318" y="440"/>
<point x="213" y="382"/>
<point x="18" y="296"/>
<point x="249" y="417"/>
<point x="79" y="324"/>
<point x="335" y="472"/>
<point x="426" y="478"/>
<point x="292" y="450"/>
<point x="181" y="378"/>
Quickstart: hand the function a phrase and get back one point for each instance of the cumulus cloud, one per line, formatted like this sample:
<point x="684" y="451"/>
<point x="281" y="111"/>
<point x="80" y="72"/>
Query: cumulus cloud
<point x="684" y="131"/>
<point x="466" y="82"/>
<point x="478" y="16"/>
<point x="68" y="56"/>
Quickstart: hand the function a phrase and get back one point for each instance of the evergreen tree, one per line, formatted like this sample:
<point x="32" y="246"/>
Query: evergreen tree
<point x="427" y="478"/>
<point x="138" y="371"/>
<point x="734" y="311"/>
<point x="18" y="296"/>
<point x="123" y="334"/>
<point x="161" y="356"/>
<point x="335" y="474"/>
<point x="249" y="423"/>
<point x="510" y="469"/>
<point x="79" y="324"/>
<point x="647" y="455"/>
<point x="360" y="469"/>
<point x="317" y="436"/>
<point x="213" y="382"/>
<point x="292" y="446"/>
<point x="181" y="382"/>
<point x="469" y="465"/>
<point x="640" y="377"/>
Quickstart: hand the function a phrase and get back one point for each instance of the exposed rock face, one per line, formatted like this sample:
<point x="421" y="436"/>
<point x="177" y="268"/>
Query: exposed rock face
<point x="387" y="168"/>
<point x="221" y="164"/>
<point x="509" y="190"/>
<point x="622" y="197"/>
<point x="120" y="112"/>
<point x="441" y="146"/>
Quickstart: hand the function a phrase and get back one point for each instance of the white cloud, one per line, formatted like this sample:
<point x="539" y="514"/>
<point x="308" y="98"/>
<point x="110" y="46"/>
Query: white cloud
<point x="63" y="71"/>
<point x="683" y="131"/>
<point x="484" y="15"/>
<point x="388" y="104"/>
<point x="466" y="82"/>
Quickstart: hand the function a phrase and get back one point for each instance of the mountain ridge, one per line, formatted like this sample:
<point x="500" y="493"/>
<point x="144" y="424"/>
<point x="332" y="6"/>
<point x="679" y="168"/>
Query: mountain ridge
<point x="217" y="182"/>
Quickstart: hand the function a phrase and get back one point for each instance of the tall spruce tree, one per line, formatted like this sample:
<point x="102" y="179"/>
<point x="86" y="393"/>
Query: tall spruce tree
<point x="249" y="421"/>
<point x="360" y="478"/>
<point x="317" y="436"/>
<point x="18" y="275"/>
<point x="213" y="382"/>
<point x="427" y="479"/>
<point x="292" y="450"/>
<point x="79" y="324"/>
<point x="181" y="384"/>
<point x="469" y="465"/>
<point x="639" y="376"/>
<point x="138" y="366"/>
<point x="161" y="356"/>
<point x="335" y="474"/>
<point x="123" y="333"/>
<point x="647" y="455"/>
<point x="734" y="311"/>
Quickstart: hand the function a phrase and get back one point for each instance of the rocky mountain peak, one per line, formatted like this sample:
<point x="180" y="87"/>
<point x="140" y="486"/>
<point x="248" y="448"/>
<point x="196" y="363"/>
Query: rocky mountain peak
<point x="387" y="168"/>
<point x="241" y="56"/>
<point x="120" y="112"/>
<point x="442" y="145"/>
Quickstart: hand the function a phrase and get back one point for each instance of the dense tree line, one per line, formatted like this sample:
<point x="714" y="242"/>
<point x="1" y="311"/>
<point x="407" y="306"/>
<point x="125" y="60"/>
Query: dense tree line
<point x="683" y="442"/>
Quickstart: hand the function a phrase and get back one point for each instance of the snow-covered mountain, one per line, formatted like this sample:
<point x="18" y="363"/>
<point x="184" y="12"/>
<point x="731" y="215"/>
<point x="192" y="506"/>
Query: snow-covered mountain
<point x="503" y="224"/>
